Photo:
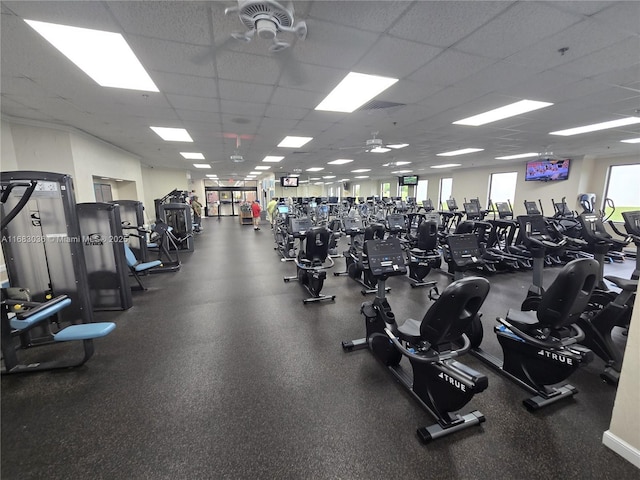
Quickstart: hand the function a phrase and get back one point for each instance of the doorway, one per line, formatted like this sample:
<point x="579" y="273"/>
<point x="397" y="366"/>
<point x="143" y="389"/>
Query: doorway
<point x="226" y="201"/>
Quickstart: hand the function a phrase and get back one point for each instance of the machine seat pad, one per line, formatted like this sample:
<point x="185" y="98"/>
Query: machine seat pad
<point x="523" y="320"/>
<point x="31" y="320"/>
<point x="141" y="267"/>
<point x="152" y="245"/>
<point x="623" y="283"/>
<point x="418" y="251"/>
<point x="410" y="330"/>
<point x="84" y="331"/>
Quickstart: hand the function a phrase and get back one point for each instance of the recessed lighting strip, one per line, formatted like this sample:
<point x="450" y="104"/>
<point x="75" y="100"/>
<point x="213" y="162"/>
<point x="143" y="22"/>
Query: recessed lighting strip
<point x="104" y="56"/>
<point x="353" y="91"/>
<point x="511" y="110"/>
<point x="463" y="151"/>
<point x="597" y="126"/>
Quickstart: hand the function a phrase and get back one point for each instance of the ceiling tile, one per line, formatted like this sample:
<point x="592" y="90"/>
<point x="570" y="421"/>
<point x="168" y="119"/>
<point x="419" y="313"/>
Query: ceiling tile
<point x="241" y="66"/>
<point x="396" y="58"/>
<point x="450" y="67"/>
<point x="244" y="91"/>
<point x="443" y="24"/>
<point x="186" y="22"/>
<point x="376" y="16"/>
<point x="615" y="57"/>
<point x="519" y="27"/>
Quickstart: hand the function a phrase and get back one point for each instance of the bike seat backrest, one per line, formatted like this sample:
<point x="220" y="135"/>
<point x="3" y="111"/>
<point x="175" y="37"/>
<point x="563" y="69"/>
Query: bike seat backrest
<point x="375" y="231"/>
<point x="450" y="315"/>
<point x="567" y="297"/>
<point x="593" y="229"/>
<point x="317" y="244"/>
<point x="533" y="231"/>
<point x="632" y="222"/>
<point x="427" y="236"/>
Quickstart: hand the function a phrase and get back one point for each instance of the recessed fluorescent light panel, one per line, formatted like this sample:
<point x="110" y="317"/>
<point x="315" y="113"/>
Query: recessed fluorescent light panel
<point x="519" y="155"/>
<point x="597" y="126"/>
<point x="362" y="176"/>
<point x="315" y="169"/>
<point x="202" y="165"/>
<point x="294" y="142"/>
<point x="379" y="150"/>
<point x="303" y="181"/>
<point x="255" y="173"/>
<point x="192" y="155"/>
<point x="403" y="171"/>
<point x="172" y="134"/>
<point x="631" y="140"/>
<point x="397" y="146"/>
<point x="340" y="161"/>
<point x="272" y="159"/>
<point x="511" y="110"/>
<point x="104" y="56"/>
<point x="446" y="165"/>
<point x="212" y="175"/>
<point x="353" y="91"/>
<point x="262" y="167"/>
<point x="329" y="176"/>
<point x="361" y="170"/>
<point x="464" y="151"/>
<point x="395" y="164"/>
<point x="294" y="175"/>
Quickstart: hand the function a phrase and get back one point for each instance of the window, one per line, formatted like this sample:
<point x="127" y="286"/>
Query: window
<point x="623" y="189"/>
<point x="421" y="191"/>
<point x="446" y="186"/>
<point x="502" y="187"/>
<point x="356" y="191"/>
<point x="102" y="192"/>
<point x="403" y="191"/>
<point x="385" y="190"/>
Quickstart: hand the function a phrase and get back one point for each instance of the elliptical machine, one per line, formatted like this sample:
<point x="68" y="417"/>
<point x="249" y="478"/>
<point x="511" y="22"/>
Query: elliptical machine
<point x="437" y="381"/>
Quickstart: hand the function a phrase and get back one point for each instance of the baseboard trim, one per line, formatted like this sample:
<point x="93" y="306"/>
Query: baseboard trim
<point x="622" y="448"/>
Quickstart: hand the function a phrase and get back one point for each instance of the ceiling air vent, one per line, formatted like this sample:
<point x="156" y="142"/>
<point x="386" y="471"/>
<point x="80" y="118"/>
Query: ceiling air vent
<point x="379" y="105"/>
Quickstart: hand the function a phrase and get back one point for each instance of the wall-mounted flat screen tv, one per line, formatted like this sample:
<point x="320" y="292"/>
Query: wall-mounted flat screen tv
<point x="409" y="180"/>
<point x="547" y="170"/>
<point x="289" y="181"/>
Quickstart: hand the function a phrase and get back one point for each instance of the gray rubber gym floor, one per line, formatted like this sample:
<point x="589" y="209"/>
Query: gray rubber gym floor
<point x="219" y="371"/>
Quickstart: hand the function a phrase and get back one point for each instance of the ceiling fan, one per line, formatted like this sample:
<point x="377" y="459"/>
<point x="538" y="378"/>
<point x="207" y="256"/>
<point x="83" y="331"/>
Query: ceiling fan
<point x="267" y="18"/>
<point x="376" y="145"/>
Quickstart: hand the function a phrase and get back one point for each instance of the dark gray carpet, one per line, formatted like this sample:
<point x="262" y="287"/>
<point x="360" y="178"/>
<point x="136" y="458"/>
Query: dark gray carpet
<point x="219" y="371"/>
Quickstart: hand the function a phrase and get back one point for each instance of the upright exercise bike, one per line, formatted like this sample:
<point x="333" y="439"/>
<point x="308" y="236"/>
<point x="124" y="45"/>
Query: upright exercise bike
<point x="437" y="381"/>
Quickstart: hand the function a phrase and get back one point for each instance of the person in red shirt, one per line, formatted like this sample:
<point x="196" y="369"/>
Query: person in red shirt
<point x="255" y="210"/>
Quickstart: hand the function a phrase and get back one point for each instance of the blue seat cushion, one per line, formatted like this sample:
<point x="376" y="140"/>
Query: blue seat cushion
<point x="140" y="267"/>
<point x="84" y="331"/>
<point x="39" y="316"/>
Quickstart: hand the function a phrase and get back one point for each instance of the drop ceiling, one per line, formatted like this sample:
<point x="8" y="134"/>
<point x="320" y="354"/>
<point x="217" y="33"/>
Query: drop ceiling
<point x="453" y="60"/>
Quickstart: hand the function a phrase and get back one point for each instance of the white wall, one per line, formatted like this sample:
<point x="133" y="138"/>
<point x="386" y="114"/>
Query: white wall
<point x="158" y="182"/>
<point x="7" y="151"/>
<point x="623" y="435"/>
<point x="41" y="149"/>
<point x="586" y="175"/>
<point x="95" y="159"/>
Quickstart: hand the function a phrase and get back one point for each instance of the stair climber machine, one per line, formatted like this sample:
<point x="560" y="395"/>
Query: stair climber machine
<point x="311" y="269"/>
<point x="541" y="348"/>
<point x="437" y="381"/>
<point x="47" y="301"/>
